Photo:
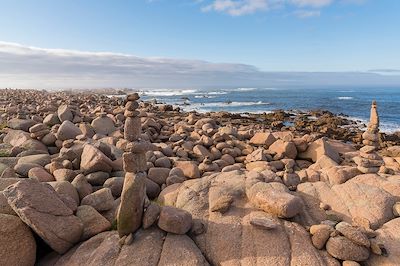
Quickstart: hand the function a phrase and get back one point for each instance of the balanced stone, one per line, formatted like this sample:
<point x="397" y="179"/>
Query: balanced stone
<point x="133" y="97"/>
<point x="369" y="161"/>
<point x="134" y="162"/>
<point x="132" y="201"/>
<point x="132" y="128"/>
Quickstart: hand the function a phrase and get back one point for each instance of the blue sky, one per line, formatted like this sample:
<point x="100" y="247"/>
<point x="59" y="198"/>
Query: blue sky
<point x="271" y="35"/>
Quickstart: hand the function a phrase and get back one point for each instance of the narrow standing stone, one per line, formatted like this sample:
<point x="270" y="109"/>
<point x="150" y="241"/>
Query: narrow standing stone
<point x="130" y="211"/>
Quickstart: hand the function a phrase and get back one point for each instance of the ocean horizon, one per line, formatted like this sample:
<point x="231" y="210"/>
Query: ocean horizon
<point x="353" y="103"/>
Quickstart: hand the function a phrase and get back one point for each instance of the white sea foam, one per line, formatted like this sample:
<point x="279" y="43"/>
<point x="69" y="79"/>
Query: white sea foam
<point x="216" y="106"/>
<point x="204" y="96"/>
<point x="216" y="92"/>
<point x="345" y="98"/>
<point x="230" y="104"/>
<point x="167" y="92"/>
<point x="384" y="127"/>
<point x="245" y="89"/>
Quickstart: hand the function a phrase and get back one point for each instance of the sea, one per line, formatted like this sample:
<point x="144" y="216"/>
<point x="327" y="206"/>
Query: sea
<point x="354" y="103"/>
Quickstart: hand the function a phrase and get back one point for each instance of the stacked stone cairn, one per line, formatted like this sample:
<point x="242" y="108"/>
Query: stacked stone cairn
<point x="130" y="212"/>
<point x="369" y="161"/>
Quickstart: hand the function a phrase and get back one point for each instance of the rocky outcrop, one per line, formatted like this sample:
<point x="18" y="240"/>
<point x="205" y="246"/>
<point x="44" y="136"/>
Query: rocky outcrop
<point x="244" y="243"/>
<point x="151" y="247"/>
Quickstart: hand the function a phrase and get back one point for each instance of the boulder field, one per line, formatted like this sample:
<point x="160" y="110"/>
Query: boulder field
<point x="87" y="179"/>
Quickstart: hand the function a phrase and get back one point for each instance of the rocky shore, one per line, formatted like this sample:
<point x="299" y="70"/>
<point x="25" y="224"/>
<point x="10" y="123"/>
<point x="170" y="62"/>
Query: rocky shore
<point x="88" y="179"/>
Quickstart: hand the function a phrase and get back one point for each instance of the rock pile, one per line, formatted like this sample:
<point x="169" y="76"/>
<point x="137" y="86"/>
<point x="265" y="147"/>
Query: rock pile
<point x="87" y="179"/>
<point x="369" y="161"/>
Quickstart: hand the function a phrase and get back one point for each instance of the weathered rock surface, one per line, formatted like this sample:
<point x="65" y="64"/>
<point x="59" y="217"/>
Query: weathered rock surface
<point x="243" y="243"/>
<point x="17" y="245"/>
<point x="103" y="249"/>
<point x="40" y="207"/>
<point x="347" y="201"/>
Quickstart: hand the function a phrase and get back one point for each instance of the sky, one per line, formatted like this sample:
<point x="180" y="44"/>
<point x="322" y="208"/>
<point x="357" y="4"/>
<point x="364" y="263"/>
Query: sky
<point x="181" y="43"/>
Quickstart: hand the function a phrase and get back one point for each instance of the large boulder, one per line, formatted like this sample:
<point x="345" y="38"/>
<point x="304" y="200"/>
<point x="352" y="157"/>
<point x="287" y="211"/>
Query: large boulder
<point x="243" y="243"/>
<point x="68" y="130"/>
<point x="151" y="247"/>
<point x="103" y="125"/>
<point x="347" y="201"/>
<point x="17" y="244"/>
<point x="20" y="124"/>
<point x="51" y="120"/>
<point x="93" y="160"/>
<point x="263" y="138"/>
<point x="41" y="159"/>
<point x="16" y="137"/>
<point x="190" y="169"/>
<point x="64" y="113"/>
<point x="388" y="236"/>
<point x="319" y="148"/>
<point x="175" y="220"/>
<point x="42" y="209"/>
<point x="283" y="149"/>
<point x="93" y="222"/>
<point x="344" y="249"/>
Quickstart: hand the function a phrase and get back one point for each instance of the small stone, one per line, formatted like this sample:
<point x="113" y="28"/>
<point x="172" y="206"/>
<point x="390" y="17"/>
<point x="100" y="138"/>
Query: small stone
<point x="368" y="149"/>
<point x="121" y="241"/>
<point x="64" y="113"/>
<point x="320" y="235"/>
<point x="263" y="220"/>
<point x="189" y="168"/>
<point x="132" y="128"/>
<point x="40" y="174"/>
<point x="97" y="178"/>
<point x="101" y="200"/>
<point x="353" y="233"/>
<point x="82" y="186"/>
<point x="93" y="222"/>
<point x="134" y="162"/>
<point x="133" y="97"/>
<point x="396" y="209"/>
<point x="115" y="184"/>
<point x="344" y="249"/>
<point x="131" y="106"/>
<point x="64" y="175"/>
<point x="263" y="138"/>
<point x="150" y="215"/>
<point x="158" y="174"/>
<point x="376" y="247"/>
<point x="68" y="130"/>
<point x="350" y="263"/>
<point x="174" y="220"/>
<point x="128" y="239"/>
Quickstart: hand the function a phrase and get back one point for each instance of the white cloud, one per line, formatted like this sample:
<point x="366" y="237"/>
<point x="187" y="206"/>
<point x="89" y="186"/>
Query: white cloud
<point x="237" y="8"/>
<point x="24" y="67"/>
<point x="307" y="13"/>
<point x="245" y="7"/>
<point x="311" y="3"/>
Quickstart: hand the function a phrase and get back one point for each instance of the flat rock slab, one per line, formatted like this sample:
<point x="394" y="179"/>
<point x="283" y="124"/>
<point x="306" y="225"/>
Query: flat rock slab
<point x="40" y="207"/>
<point x="150" y="247"/>
<point x="348" y="201"/>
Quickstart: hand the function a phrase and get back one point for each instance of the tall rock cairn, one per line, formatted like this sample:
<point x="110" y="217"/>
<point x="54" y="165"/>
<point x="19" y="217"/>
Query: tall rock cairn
<point x="369" y="161"/>
<point x="130" y="212"/>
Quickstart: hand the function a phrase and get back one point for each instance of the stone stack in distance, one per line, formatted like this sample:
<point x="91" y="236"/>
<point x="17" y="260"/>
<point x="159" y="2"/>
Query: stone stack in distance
<point x="369" y="161"/>
<point x="130" y="212"/>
